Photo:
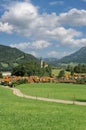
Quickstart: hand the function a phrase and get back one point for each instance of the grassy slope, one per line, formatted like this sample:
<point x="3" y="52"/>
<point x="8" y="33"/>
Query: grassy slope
<point x="11" y="57"/>
<point x="23" y="114"/>
<point x="52" y="90"/>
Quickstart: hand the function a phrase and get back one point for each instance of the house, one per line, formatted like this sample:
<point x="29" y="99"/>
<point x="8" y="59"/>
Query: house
<point x="7" y="73"/>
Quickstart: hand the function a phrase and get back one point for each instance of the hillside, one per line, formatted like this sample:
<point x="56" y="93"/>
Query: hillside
<point x="77" y="57"/>
<point x="11" y="57"/>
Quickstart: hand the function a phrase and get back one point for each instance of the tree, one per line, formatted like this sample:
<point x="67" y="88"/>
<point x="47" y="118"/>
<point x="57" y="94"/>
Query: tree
<point x="69" y="67"/>
<point x="32" y="68"/>
<point x="61" y="74"/>
<point x="19" y="70"/>
<point x="72" y="72"/>
<point x="80" y="68"/>
<point x="1" y="76"/>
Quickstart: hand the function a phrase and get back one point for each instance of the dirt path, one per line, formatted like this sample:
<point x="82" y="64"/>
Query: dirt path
<point x="20" y="94"/>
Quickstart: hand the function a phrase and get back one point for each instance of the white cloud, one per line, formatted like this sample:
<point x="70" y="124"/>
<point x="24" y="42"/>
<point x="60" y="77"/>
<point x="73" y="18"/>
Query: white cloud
<point x="36" y="45"/>
<point x="26" y="20"/>
<point x="20" y="15"/>
<point x="66" y="36"/>
<point x="73" y="17"/>
<point x="40" y="44"/>
<point x="62" y="32"/>
<point x="42" y="29"/>
<point x="21" y="46"/>
<point x="56" y="54"/>
<point x="5" y="27"/>
<point x="78" y="42"/>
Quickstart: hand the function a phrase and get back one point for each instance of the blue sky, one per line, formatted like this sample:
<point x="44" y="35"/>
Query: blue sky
<point x="44" y="28"/>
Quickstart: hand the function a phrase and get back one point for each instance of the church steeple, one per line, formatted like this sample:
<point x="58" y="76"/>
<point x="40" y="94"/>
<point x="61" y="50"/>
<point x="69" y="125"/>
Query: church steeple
<point x="41" y="62"/>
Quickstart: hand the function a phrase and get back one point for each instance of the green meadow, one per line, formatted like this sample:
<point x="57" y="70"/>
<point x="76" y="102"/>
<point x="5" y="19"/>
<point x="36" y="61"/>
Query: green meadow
<point x="55" y="90"/>
<point x="56" y="71"/>
<point x="18" y="113"/>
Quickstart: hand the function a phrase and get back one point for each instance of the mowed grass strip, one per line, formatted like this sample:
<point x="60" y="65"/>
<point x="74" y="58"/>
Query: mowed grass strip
<point x="57" y="91"/>
<point x="23" y="114"/>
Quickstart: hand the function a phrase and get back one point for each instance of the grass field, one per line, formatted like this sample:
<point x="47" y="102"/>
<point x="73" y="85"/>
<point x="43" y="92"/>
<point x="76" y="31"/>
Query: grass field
<point x="23" y="114"/>
<point x="57" y="91"/>
<point x="56" y="71"/>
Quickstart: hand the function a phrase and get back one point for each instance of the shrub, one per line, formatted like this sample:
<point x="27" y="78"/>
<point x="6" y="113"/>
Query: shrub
<point x="21" y="81"/>
<point x="81" y="80"/>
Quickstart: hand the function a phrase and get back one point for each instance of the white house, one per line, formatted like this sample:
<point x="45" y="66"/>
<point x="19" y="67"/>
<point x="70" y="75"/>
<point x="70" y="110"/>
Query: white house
<point x="6" y="73"/>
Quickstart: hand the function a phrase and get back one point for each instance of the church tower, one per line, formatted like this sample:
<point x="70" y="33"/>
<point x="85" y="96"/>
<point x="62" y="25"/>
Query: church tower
<point x="41" y="62"/>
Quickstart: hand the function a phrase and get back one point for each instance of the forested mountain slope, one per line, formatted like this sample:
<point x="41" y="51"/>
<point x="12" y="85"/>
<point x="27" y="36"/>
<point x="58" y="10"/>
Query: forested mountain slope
<point x="10" y="57"/>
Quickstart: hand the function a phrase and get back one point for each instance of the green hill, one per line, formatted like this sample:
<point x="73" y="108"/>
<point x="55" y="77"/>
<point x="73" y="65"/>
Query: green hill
<point x="77" y="57"/>
<point x="11" y="57"/>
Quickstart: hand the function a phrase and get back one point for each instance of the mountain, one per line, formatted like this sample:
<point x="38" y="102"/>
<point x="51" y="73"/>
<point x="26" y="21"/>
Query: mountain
<point x="77" y="57"/>
<point x="11" y="57"/>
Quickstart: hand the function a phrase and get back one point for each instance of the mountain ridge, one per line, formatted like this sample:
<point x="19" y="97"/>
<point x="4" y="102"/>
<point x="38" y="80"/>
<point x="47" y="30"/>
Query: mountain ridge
<point x="76" y="57"/>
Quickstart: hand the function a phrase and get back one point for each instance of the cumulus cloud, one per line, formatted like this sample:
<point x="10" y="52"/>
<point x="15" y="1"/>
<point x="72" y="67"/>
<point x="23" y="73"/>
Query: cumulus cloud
<point x="73" y="17"/>
<point x="5" y="27"/>
<point x="20" y="15"/>
<point x="36" y="45"/>
<point x="66" y="37"/>
<point x="22" y="46"/>
<point x="61" y="32"/>
<point x="32" y="47"/>
<point x="40" y="44"/>
<point x="43" y="29"/>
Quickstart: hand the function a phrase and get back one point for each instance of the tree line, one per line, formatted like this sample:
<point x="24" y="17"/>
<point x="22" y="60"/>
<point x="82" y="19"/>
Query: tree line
<point x="32" y="68"/>
<point x="80" y="68"/>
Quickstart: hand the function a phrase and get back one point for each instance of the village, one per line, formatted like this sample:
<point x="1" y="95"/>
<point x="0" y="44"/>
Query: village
<point x="9" y="80"/>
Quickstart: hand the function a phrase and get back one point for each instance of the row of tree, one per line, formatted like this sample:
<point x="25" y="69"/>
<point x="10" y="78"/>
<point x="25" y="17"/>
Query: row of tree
<point x="76" y="69"/>
<point x="80" y="68"/>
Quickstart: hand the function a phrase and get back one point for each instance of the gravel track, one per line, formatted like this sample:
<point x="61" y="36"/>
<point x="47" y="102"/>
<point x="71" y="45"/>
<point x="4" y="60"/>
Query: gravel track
<point x="20" y="94"/>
